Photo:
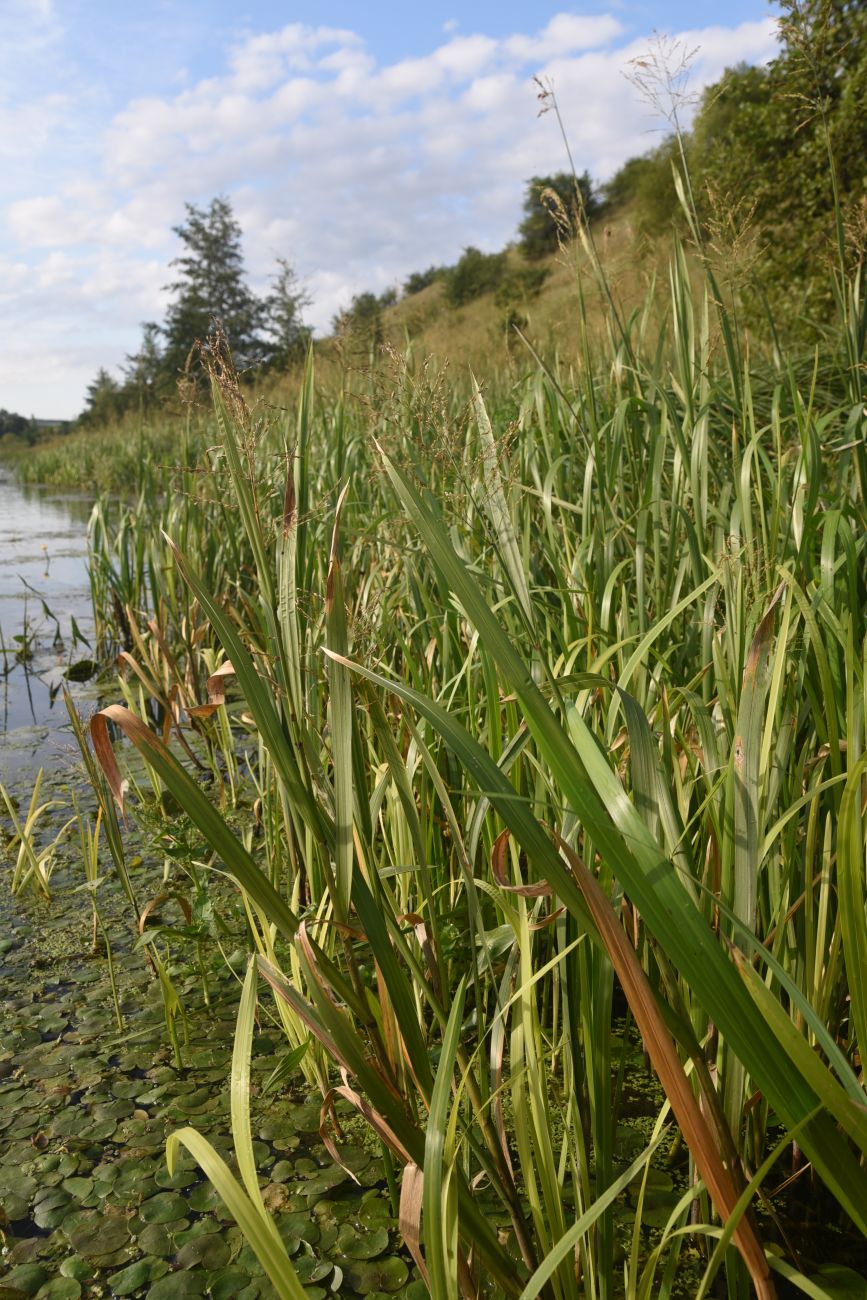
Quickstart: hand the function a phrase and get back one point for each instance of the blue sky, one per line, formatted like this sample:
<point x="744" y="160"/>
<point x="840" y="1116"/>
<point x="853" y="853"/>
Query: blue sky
<point x="361" y="142"/>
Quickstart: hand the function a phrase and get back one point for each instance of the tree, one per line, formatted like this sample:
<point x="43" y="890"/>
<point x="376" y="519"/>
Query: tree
<point x="647" y="184"/>
<point x="104" y="399"/>
<point x="759" y="156"/>
<point x="419" y="280"/>
<point x="211" y="289"/>
<point x="287" y="335"/>
<point x="145" y="370"/>
<point x="549" y="203"/>
<point x="474" y="274"/>
<point x="13" y="423"/>
<point x="362" y="319"/>
<point x="762" y="137"/>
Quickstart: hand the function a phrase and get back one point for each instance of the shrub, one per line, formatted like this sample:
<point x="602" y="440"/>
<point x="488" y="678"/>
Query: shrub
<point x="550" y="203"/>
<point x="362" y="319"/>
<point x="476" y="273"/>
<point x="520" y="283"/>
<point x="419" y="280"/>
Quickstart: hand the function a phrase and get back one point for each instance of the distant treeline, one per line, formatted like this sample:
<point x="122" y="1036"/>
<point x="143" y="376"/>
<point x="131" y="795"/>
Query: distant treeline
<point x="26" y="427"/>
<point x="773" y="153"/>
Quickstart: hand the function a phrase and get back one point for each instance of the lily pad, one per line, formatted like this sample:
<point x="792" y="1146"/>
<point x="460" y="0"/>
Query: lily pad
<point x="311" y="1269"/>
<point x="375" y="1211"/>
<point x="52" y="1208"/>
<point x="249" y="1260"/>
<point x="81" y="671"/>
<point x="155" y="1240"/>
<point x="165" y="1207"/>
<point x="179" y="1179"/>
<point x="99" y="1235"/>
<point x="305" y="1118"/>
<point x="275" y="1197"/>
<point x="14" y="1207"/>
<point x="176" y="1286"/>
<point x="354" y="1158"/>
<point x="361" y="1245"/>
<point x="203" y="1198"/>
<point x="209" y="1251"/>
<point x="840" y="1282"/>
<point x="300" y="1225"/>
<point x="76" y="1267"/>
<point x="136" y="1275"/>
<point x="388" y="1274"/>
<point x="229" y="1283"/>
<point x="60" y="1288"/>
<point x="204" y="1227"/>
<point x="27" y="1278"/>
<point x="658" y="1212"/>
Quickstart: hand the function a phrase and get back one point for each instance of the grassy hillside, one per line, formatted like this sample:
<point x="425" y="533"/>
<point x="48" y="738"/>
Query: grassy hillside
<point x="479" y="337"/>
<point x="479" y="333"/>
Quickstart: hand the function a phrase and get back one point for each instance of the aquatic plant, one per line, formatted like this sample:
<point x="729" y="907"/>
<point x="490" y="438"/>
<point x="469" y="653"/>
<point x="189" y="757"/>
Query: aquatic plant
<point x="549" y="712"/>
<point x="34" y="861"/>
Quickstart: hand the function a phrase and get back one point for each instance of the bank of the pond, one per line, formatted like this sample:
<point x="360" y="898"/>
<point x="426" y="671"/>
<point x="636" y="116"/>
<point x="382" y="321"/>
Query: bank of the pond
<point x="87" y="1206"/>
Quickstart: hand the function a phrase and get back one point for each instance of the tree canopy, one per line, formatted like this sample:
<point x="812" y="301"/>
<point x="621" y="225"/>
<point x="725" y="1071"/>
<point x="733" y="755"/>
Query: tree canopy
<point x="760" y="157"/>
<point x="210" y="292"/>
<point x="210" y="289"/>
<point x="551" y="204"/>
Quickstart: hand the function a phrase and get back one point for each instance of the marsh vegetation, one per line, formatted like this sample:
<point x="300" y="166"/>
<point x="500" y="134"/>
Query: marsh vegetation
<point x="474" y="859"/>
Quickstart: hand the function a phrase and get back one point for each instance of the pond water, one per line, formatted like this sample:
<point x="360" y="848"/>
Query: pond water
<point x="46" y="622"/>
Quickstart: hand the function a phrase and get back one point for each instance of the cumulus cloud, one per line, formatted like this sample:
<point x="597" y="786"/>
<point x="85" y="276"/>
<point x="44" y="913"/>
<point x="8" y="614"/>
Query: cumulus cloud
<point x="357" y="171"/>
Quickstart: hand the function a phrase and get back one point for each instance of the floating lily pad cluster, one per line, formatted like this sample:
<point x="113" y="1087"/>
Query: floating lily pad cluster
<point x="87" y="1207"/>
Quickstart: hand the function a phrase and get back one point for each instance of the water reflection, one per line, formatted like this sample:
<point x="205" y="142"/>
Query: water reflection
<point x="45" y="620"/>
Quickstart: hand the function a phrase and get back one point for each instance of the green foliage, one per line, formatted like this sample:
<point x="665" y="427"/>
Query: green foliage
<point x="287" y="337"/>
<point x="520" y="283"/>
<point x="475" y="273"/>
<point x="552" y="204"/>
<point x="760" y="160"/>
<point x="105" y="400"/>
<point x="210" y="289"/>
<point x="646" y="186"/>
<point x="517" y="287"/>
<point x="362" y="319"/>
<point x="17" y="425"/>
<point x="211" y="295"/>
<point x="764" y="138"/>
<point x="145" y="373"/>
<point x="539" y="709"/>
<point x="419" y="280"/>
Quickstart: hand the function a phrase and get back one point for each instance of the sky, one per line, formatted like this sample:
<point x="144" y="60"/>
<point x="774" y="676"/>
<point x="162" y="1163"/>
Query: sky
<point x="360" y="142"/>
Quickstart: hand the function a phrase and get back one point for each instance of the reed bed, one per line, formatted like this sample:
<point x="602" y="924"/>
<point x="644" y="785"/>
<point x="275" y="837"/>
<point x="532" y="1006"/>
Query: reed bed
<point x="549" y="703"/>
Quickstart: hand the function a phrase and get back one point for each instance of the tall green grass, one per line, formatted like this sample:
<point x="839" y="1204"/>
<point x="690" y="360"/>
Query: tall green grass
<point x="553" y="700"/>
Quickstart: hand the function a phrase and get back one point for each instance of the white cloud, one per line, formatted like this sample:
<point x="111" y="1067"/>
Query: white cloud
<point x="29" y="127"/>
<point x="565" y="34"/>
<point x="358" y="172"/>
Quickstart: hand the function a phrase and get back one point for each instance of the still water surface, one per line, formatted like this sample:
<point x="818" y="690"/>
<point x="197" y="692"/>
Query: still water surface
<point x="43" y="588"/>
